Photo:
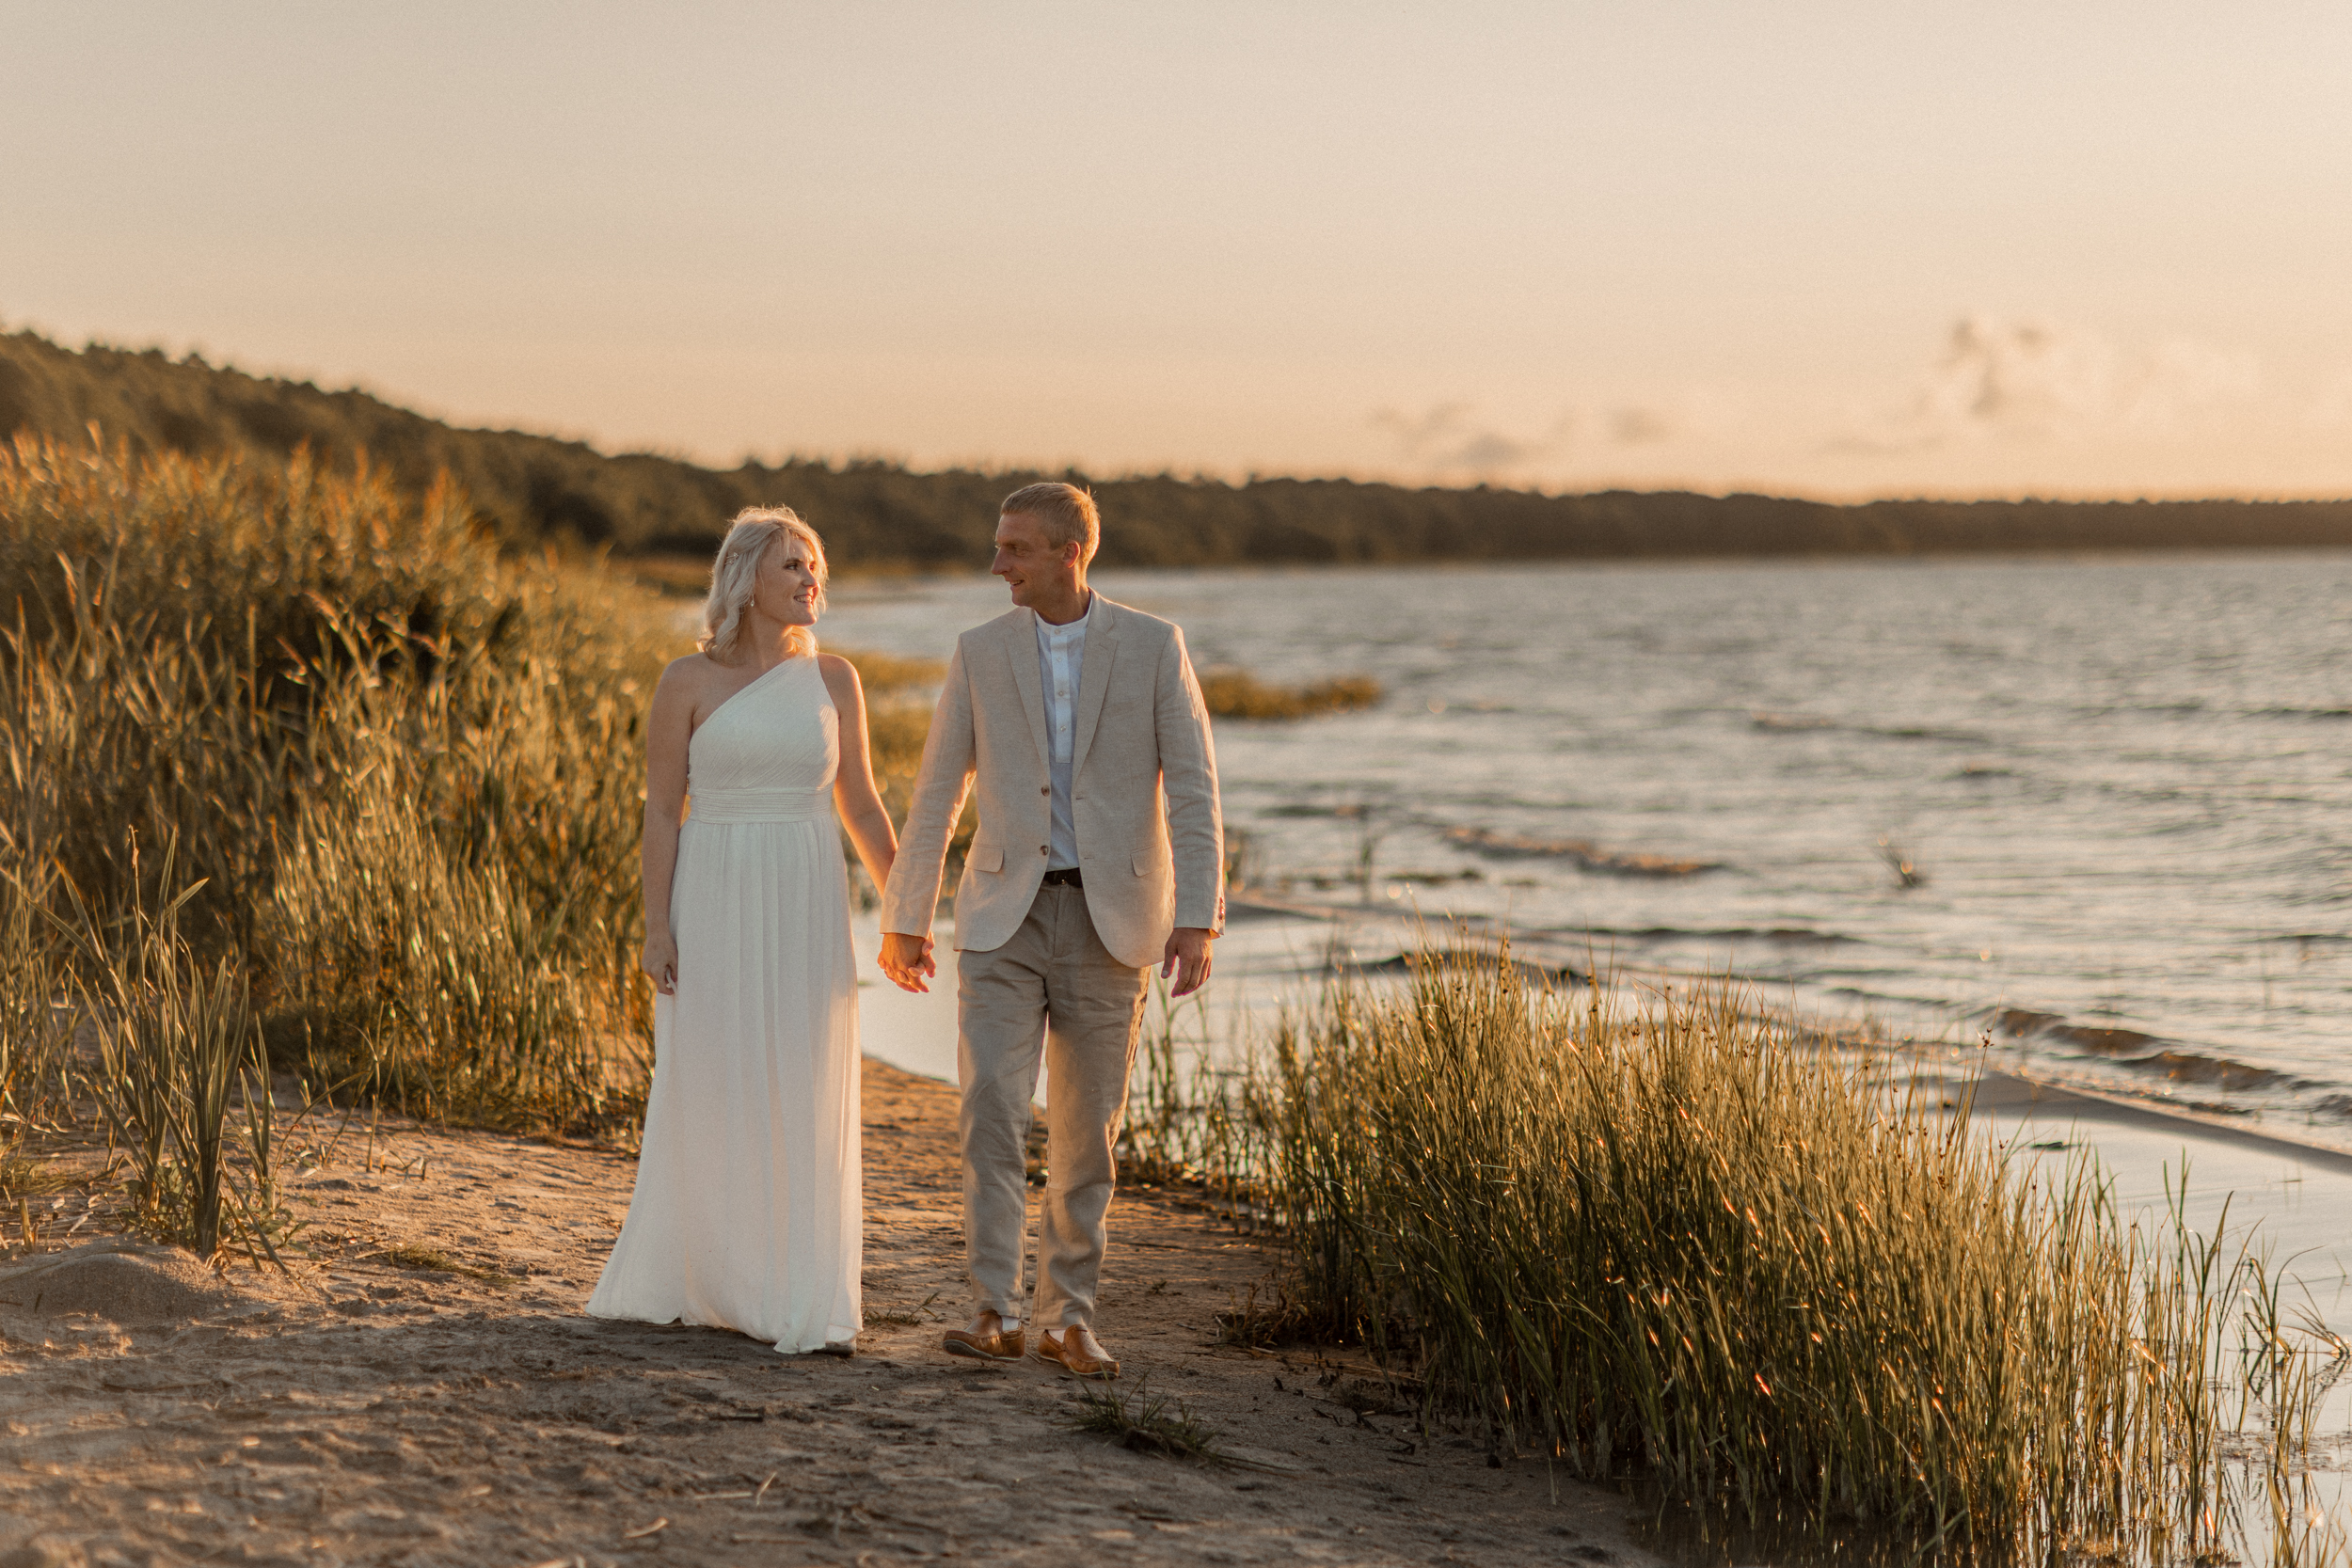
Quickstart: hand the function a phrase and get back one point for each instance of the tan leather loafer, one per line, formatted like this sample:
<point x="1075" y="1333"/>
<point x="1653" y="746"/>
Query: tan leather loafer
<point x="1077" y="1353"/>
<point x="982" y="1346"/>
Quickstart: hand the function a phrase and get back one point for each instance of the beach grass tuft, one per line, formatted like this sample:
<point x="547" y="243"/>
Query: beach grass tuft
<point x="1684" y="1244"/>
<point x="425" y="1260"/>
<point x="1145" y="1422"/>
<point x="912" y="1316"/>
<point x="181" y="1076"/>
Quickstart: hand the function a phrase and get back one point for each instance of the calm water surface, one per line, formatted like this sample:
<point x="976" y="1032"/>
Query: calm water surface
<point x="2126" y="783"/>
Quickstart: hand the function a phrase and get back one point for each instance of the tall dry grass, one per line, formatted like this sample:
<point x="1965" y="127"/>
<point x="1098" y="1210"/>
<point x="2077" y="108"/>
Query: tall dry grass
<point x="401" y="773"/>
<point x="398" y="776"/>
<point x="1683" y="1244"/>
<point x="34" y="1028"/>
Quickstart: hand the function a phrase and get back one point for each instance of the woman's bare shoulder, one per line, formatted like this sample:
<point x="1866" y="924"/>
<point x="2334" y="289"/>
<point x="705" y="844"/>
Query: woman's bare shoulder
<point x="689" y="679"/>
<point x="839" y="671"/>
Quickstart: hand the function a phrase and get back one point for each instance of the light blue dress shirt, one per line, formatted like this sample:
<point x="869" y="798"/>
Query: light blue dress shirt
<point x="1060" y="658"/>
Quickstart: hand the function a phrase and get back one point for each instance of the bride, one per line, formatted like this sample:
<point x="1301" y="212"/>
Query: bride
<point x="747" y="1209"/>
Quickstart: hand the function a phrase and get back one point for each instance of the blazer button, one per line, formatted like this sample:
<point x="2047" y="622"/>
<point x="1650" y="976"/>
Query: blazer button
<point x="1042" y="850"/>
<point x="1045" y="789"/>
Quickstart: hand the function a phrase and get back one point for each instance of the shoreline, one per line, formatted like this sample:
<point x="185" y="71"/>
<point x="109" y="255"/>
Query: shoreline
<point x="917" y="1034"/>
<point x="2277" y="1190"/>
<point x="2223" y="1127"/>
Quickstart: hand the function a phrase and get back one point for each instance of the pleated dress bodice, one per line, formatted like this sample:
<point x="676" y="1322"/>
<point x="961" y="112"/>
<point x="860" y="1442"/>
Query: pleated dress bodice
<point x="769" y="753"/>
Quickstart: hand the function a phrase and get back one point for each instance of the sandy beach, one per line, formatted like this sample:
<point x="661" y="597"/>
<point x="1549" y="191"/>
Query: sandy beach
<point x="368" y="1412"/>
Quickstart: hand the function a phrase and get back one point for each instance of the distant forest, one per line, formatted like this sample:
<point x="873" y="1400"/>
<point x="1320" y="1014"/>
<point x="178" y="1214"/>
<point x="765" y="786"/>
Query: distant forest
<point x="535" y="488"/>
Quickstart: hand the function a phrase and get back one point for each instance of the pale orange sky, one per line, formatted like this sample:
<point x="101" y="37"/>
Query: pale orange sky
<point x="1829" y="249"/>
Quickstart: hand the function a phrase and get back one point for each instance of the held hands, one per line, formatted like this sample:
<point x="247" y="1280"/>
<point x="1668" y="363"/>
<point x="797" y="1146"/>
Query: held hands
<point x="907" y="961"/>
<point x="660" y="961"/>
<point x="1187" y="957"/>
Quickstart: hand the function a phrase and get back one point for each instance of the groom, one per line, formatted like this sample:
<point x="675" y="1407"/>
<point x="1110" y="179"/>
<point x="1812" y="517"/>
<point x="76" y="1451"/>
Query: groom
<point x="1073" y="716"/>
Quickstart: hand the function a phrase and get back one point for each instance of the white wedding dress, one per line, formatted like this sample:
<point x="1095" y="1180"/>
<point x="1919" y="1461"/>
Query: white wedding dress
<point x="747" y="1209"/>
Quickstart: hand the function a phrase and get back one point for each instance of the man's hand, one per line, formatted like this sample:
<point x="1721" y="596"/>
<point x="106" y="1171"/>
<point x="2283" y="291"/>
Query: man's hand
<point x="1188" y="958"/>
<point x="907" y="961"/>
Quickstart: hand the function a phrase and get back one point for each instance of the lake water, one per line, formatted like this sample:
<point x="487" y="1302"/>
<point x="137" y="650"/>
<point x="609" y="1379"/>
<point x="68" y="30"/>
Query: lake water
<point x="2124" y="786"/>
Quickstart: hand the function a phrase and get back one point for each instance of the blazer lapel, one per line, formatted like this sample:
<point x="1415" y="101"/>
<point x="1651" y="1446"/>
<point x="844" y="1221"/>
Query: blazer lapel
<point x="1020" y="648"/>
<point x="1094" y="677"/>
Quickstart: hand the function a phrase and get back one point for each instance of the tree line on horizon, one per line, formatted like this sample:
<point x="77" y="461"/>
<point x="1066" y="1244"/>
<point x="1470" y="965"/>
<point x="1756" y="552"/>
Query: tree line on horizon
<point x="528" y="489"/>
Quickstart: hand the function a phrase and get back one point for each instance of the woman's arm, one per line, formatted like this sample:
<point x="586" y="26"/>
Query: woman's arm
<point x="853" y="793"/>
<point x="667" y="731"/>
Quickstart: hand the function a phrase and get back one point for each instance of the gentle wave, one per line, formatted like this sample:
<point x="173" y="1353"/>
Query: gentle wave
<point x="1805" y="723"/>
<point x="1582" y="852"/>
<point x="1685" y="933"/>
<point x="2153" y="1054"/>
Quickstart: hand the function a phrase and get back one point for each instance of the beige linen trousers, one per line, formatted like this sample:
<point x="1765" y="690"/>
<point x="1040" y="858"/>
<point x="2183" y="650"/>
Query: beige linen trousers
<point x="1058" y="973"/>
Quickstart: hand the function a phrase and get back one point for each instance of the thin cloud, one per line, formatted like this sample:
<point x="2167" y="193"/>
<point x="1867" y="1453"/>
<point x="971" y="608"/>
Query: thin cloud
<point x="2044" y="380"/>
<point x="1634" y="427"/>
<point x="1448" y="439"/>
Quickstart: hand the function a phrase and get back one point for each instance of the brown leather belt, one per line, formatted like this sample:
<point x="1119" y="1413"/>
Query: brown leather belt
<point x="1066" y="878"/>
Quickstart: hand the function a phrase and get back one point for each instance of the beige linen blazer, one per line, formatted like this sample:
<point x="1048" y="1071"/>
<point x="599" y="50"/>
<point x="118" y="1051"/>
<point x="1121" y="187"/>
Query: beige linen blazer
<point x="1141" y="731"/>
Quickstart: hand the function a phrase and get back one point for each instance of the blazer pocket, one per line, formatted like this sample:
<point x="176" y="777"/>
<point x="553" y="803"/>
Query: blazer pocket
<point x="988" y="857"/>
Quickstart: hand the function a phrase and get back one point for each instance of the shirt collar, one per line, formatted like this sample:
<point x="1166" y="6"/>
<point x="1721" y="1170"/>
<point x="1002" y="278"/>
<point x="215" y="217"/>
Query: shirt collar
<point x="1068" y="629"/>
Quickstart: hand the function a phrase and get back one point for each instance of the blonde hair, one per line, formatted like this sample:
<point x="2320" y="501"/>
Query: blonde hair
<point x="1065" y="512"/>
<point x="735" y="574"/>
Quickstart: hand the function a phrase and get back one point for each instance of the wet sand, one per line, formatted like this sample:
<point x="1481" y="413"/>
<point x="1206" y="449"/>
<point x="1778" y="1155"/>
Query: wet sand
<point x="374" y="1413"/>
<point x="2276" y="1197"/>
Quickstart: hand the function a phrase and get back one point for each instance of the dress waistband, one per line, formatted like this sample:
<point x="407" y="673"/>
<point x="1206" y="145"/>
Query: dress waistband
<point x="780" y="805"/>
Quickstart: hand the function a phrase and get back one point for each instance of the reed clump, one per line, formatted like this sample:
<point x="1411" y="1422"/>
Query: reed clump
<point x="1681" y="1242"/>
<point x="1231" y="694"/>
<point x="180" y="1074"/>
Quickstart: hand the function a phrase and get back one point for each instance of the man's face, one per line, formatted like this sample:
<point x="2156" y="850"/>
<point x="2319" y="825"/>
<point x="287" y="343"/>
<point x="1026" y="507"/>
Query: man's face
<point x="1029" y="562"/>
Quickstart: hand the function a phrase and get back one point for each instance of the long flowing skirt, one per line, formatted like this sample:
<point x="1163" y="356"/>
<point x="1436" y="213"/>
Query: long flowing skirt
<point x="748" y="1203"/>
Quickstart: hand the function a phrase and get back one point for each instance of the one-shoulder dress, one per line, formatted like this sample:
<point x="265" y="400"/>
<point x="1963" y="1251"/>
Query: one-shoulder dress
<point x="747" y="1208"/>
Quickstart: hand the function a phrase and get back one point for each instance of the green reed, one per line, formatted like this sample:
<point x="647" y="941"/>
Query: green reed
<point x="1182" y="1121"/>
<point x="1685" y="1244"/>
<point x="178" y="1050"/>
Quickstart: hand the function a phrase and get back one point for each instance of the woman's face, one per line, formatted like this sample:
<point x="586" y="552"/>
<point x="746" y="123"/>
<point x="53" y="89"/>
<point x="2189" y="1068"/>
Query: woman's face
<point x="785" y="588"/>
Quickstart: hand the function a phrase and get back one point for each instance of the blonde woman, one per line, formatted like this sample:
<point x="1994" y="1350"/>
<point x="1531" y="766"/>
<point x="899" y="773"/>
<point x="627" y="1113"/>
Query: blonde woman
<point x="747" y="1208"/>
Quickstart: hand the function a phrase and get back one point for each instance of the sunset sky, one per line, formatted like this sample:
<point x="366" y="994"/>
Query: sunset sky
<point x="1836" y="250"/>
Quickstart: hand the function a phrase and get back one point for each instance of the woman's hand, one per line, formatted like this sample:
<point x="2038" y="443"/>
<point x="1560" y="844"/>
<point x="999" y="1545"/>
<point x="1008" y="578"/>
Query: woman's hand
<point x="661" y="963"/>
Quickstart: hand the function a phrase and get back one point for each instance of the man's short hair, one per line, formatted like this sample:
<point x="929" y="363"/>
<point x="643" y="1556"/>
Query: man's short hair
<point x="1065" y="512"/>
